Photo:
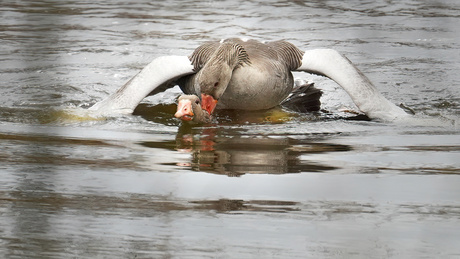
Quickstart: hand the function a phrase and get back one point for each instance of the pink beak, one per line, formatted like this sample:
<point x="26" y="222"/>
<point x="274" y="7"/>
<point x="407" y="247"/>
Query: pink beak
<point x="184" y="110"/>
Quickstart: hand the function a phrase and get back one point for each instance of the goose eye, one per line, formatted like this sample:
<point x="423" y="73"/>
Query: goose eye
<point x="216" y="84"/>
<point x="197" y="101"/>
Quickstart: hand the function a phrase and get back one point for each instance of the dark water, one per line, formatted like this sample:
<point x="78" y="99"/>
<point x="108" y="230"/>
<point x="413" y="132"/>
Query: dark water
<point x="265" y="184"/>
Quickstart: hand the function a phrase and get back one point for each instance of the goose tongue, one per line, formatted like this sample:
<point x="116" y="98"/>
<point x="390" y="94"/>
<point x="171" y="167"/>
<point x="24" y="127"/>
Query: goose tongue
<point x="208" y="103"/>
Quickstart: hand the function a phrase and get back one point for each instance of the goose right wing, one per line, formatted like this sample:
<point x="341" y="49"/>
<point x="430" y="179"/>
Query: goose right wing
<point x="150" y="78"/>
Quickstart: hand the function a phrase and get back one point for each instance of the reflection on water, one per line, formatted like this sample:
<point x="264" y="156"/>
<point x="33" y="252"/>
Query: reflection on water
<point x="235" y="155"/>
<point x="145" y="186"/>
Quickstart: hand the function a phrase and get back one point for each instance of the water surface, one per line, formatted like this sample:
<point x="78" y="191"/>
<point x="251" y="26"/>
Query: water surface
<point x="269" y="184"/>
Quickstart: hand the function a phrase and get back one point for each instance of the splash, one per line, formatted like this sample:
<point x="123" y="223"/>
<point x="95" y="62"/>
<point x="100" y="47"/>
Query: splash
<point x="70" y="115"/>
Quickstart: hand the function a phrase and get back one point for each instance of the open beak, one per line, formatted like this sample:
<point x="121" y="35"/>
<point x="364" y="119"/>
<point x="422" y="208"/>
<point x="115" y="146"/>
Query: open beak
<point x="184" y="110"/>
<point x="208" y="103"/>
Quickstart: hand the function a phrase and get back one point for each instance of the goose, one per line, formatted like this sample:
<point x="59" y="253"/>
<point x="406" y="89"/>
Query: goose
<point x="189" y="109"/>
<point x="248" y="75"/>
<point x="304" y="98"/>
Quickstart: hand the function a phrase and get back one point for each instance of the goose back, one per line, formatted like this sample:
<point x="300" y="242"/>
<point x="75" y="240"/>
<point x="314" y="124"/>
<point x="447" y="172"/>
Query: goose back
<point x="262" y="82"/>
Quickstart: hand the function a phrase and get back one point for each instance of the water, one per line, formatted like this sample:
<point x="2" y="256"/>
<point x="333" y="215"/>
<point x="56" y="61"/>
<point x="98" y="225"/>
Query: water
<point x="255" y="185"/>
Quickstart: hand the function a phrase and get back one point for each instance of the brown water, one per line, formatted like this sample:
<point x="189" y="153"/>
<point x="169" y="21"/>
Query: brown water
<point x="256" y="185"/>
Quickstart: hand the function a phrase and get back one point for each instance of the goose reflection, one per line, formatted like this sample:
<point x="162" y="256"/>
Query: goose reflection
<point x="230" y="151"/>
<point x="235" y="155"/>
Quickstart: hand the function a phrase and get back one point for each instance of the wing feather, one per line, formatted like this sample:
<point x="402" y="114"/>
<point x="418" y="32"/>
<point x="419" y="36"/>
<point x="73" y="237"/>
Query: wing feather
<point x="330" y="63"/>
<point x="152" y="77"/>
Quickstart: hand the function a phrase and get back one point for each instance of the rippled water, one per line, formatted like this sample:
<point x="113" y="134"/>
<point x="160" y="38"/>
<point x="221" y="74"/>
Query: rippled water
<point x="270" y="184"/>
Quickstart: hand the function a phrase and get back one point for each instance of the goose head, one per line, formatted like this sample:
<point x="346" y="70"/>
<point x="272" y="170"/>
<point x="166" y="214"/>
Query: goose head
<point x="189" y="109"/>
<point x="214" y="77"/>
<point x="212" y="81"/>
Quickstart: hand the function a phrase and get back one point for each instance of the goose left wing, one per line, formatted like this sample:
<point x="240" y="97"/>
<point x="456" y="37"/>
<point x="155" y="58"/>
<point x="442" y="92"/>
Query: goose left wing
<point x="332" y="64"/>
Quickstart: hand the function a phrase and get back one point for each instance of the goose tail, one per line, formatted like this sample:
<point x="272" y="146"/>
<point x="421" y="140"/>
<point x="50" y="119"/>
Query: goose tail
<point x="304" y="98"/>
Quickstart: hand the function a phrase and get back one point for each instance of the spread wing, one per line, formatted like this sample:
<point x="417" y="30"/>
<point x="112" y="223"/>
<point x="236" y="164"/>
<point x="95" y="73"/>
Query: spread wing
<point x="150" y="79"/>
<point x="330" y="63"/>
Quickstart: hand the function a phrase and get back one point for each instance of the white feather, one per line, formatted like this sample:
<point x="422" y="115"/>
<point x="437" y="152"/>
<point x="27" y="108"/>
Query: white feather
<point x="330" y="63"/>
<point x="159" y="71"/>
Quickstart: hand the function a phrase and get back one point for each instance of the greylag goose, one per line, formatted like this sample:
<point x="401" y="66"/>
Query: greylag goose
<point x="304" y="98"/>
<point x="189" y="109"/>
<point x="248" y="75"/>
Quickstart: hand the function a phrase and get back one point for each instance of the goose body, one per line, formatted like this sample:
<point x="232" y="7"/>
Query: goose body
<point x="261" y="80"/>
<point x="248" y="75"/>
